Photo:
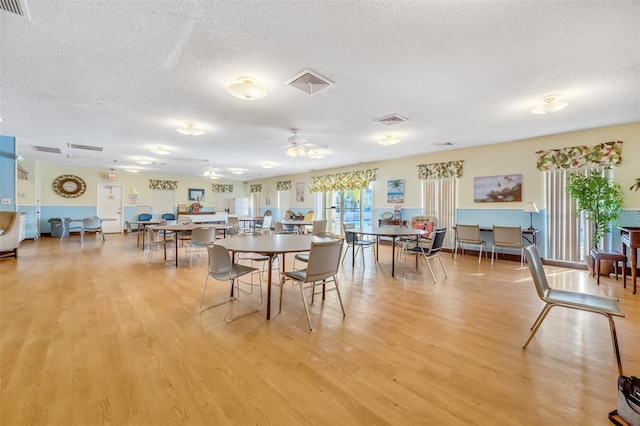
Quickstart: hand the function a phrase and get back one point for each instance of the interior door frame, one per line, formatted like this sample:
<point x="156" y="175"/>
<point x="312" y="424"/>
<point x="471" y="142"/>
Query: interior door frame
<point x="119" y="218"/>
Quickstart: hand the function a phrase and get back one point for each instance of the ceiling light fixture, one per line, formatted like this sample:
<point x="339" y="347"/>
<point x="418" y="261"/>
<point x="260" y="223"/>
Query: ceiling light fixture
<point x="190" y="129"/>
<point x="143" y="161"/>
<point x="112" y="175"/>
<point x="267" y="165"/>
<point x="315" y="154"/>
<point x="549" y="104"/>
<point x="132" y="170"/>
<point x="247" y="88"/>
<point x="294" y="150"/>
<point x="237" y="171"/>
<point x="160" y="150"/>
<point x="388" y="139"/>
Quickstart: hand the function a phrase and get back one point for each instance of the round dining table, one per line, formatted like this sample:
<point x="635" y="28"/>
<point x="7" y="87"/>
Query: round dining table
<point x="188" y="227"/>
<point x="270" y="245"/>
<point x="385" y="231"/>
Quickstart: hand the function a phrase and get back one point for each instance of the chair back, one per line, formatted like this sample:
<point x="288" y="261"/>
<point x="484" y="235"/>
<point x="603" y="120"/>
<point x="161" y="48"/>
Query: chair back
<point x="310" y="215"/>
<point x="91" y="223"/>
<point x="144" y="216"/>
<point x="468" y="233"/>
<point x="507" y="236"/>
<point x="349" y="236"/>
<point x="267" y="213"/>
<point x="326" y="234"/>
<point x="151" y="235"/>
<point x="423" y="218"/>
<point x="219" y="262"/>
<point x="324" y="260"/>
<point x="278" y="228"/>
<point x="288" y="214"/>
<point x="168" y="222"/>
<point x="235" y="228"/>
<point x="203" y="235"/>
<point x="537" y="271"/>
<point x="318" y="226"/>
<point x="169" y="216"/>
<point x="437" y="241"/>
<point x="233" y="220"/>
<point x="266" y="222"/>
<point x="129" y="228"/>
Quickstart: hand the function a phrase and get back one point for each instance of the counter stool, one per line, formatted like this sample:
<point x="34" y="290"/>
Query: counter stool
<point x="615" y="256"/>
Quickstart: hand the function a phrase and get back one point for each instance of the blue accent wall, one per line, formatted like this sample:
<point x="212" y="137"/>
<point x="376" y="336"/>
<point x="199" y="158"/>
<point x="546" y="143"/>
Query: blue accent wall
<point x="8" y="172"/>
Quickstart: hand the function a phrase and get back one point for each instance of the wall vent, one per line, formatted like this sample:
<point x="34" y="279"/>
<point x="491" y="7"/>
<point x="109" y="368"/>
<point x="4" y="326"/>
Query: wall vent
<point x="448" y="143"/>
<point x="391" y="120"/>
<point x="47" y="149"/>
<point x="85" y="147"/>
<point x="19" y="7"/>
<point x="310" y="82"/>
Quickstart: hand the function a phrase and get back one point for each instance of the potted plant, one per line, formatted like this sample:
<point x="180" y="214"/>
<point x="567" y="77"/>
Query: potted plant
<point x="600" y="199"/>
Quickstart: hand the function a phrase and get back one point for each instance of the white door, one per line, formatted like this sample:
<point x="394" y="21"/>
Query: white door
<point x="109" y="206"/>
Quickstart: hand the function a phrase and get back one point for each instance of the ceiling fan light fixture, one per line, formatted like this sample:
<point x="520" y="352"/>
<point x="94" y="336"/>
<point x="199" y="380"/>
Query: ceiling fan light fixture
<point x="315" y="154"/>
<point x="190" y="129"/>
<point x="388" y="140"/>
<point x="247" y="88"/>
<point x="549" y="104"/>
<point x="292" y="151"/>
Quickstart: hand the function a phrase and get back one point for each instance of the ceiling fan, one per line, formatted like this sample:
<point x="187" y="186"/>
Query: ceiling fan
<point x="298" y="146"/>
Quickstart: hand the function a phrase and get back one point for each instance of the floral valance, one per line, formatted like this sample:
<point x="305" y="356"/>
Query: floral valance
<point x="440" y="170"/>
<point x="284" y="185"/>
<point x="255" y="188"/>
<point x="342" y="181"/>
<point x="604" y="154"/>
<point x="217" y="187"/>
<point x="163" y="184"/>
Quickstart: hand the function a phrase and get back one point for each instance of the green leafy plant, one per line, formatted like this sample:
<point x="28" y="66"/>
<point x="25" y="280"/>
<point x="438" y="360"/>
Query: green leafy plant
<point x="599" y="198"/>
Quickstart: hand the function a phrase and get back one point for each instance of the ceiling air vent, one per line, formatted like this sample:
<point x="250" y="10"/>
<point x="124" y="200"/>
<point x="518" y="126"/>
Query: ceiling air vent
<point x="85" y="147"/>
<point x="310" y="82"/>
<point x="47" y="149"/>
<point x="391" y="120"/>
<point x="19" y="7"/>
<point x="448" y="143"/>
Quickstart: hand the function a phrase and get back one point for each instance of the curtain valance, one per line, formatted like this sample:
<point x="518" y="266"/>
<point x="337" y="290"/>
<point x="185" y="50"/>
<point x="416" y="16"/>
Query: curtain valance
<point x="604" y="154"/>
<point x="343" y="181"/>
<point x="163" y="184"/>
<point x="218" y="187"/>
<point x="255" y="188"/>
<point x="284" y="185"/>
<point x="440" y="170"/>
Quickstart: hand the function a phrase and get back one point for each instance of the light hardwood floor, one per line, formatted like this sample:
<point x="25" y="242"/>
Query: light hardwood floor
<point x="91" y="335"/>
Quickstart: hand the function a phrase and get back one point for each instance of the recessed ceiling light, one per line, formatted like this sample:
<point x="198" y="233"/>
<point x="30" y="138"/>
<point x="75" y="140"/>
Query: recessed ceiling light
<point x="160" y="150"/>
<point x="143" y="161"/>
<point x="267" y="165"/>
<point x="190" y="129"/>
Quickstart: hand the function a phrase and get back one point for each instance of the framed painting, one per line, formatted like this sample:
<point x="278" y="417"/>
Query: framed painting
<point x="196" y="194"/>
<point x="300" y="192"/>
<point x="497" y="189"/>
<point x="395" y="191"/>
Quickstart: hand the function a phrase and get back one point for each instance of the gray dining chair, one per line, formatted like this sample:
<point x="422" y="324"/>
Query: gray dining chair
<point x="322" y="269"/>
<point x="221" y="268"/>
<point x="509" y="237"/>
<point x="606" y="306"/>
<point x="200" y="237"/>
<point x="355" y="242"/>
<point x="469" y="235"/>
<point x="432" y="250"/>
<point x="92" y="224"/>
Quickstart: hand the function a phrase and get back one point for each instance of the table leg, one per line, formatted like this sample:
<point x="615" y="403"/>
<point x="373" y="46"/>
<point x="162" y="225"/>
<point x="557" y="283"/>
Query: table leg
<point x="634" y="266"/>
<point x="269" y="287"/>
<point x="393" y="256"/>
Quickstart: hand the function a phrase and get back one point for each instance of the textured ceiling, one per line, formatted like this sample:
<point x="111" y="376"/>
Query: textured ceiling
<point x="124" y="74"/>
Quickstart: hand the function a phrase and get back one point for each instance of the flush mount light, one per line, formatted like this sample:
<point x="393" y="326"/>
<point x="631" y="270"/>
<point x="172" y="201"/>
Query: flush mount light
<point x="267" y="165"/>
<point x="247" y="88"/>
<point x="315" y="154"/>
<point x="160" y="150"/>
<point x="237" y="171"/>
<point x="548" y="104"/>
<point x="112" y="175"/>
<point x="143" y="161"/>
<point x="190" y="129"/>
<point x="388" y="139"/>
<point x="132" y="170"/>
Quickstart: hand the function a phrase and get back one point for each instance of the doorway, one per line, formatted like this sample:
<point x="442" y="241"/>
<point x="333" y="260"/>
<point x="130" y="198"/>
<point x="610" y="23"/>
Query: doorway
<point x="109" y="206"/>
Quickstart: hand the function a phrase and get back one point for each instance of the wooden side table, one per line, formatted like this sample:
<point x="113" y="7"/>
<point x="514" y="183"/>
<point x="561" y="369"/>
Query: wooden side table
<point x="615" y="256"/>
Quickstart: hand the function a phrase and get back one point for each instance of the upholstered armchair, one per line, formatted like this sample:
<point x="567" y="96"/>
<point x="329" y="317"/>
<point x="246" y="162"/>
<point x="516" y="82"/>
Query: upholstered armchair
<point x="10" y="239"/>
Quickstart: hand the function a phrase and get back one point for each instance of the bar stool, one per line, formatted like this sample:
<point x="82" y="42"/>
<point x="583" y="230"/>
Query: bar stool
<point x="615" y="256"/>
